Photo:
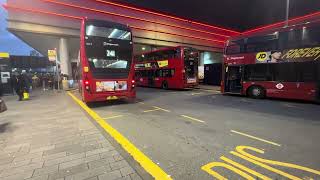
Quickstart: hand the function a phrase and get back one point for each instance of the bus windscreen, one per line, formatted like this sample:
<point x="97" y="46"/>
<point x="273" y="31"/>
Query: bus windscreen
<point x="106" y="32"/>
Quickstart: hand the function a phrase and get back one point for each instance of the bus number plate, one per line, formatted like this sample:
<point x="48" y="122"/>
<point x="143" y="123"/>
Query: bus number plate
<point x="191" y="80"/>
<point x="112" y="97"/>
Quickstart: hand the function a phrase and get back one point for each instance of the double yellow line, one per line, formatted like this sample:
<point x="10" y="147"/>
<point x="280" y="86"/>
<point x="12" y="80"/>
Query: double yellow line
<point x="149" y="166"/>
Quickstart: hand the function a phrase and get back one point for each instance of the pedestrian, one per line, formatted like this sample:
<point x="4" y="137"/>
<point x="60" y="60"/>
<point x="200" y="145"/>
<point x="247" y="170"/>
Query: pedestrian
<point x="35" y="81"/>
<point x="22" y="85"/>
<point x="3" y="106"/>
<point x="1" y="89"/>
<point x="14" y="81"/>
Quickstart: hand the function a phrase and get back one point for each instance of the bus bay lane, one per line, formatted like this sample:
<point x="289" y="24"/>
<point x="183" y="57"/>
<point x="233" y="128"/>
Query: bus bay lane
<point x="207" y="135"/>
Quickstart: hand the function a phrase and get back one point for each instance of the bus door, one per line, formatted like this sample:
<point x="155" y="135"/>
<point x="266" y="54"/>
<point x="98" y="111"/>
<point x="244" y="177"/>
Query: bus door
<point x="233" y="79"/>
<point x="308" y="83"/>
<point x="317" y="81"/>
<point x="150" y="78"/>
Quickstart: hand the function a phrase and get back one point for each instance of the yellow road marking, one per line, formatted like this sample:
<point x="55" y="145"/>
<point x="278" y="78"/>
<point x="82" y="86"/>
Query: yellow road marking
<point x="241" y="149"/>
<point x="194" y="119"/>
<point x="152" y="168"/>
<point x="161" y="108"/>
<point x="256" y="138"/>
<point x="112" y="117"/>
<point x="242" y="167"/>
<point x="151" y="110"/>
<point x="208" y="169"/>
<point x="266" y="166"/>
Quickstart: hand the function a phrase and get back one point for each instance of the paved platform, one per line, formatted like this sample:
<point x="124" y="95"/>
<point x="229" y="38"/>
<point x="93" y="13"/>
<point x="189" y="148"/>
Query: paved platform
<point x="49" y="137"/>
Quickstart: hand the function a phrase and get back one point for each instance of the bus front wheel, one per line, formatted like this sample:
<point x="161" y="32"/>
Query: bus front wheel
<point x="164" y="85"/>
<point x="256" y="92"/>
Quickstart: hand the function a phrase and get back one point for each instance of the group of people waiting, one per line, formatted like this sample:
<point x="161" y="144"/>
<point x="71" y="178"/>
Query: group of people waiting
<point x="23" y="82"/>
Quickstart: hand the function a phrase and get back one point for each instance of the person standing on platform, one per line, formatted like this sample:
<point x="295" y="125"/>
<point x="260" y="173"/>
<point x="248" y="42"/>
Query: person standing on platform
<point x="22" y="85"/>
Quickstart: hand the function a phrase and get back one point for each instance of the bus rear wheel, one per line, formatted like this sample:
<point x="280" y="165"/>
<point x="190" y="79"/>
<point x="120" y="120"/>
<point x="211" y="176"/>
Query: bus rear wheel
<point x="256" y="92"/>
<point x="164" y="85"/>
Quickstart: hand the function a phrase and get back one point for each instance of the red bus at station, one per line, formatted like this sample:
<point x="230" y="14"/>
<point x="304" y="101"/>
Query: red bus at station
<point x="282" y="63"/>
<point x="169" y="68"/>
<point x="105" y="66"/>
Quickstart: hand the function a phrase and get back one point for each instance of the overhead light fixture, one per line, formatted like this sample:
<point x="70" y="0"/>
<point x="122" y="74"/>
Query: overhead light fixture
<point x="143" y="48"/>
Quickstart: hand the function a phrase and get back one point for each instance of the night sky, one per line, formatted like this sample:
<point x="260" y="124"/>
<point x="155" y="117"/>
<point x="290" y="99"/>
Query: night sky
<point x="8" y="42"/>
<point x="233" y="14"/>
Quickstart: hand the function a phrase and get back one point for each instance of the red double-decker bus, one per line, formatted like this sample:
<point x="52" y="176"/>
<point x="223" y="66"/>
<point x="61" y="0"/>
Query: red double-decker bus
<point x="169" y="68"/>
<point x="105" y="61"/>
<point x="282" y="63"/>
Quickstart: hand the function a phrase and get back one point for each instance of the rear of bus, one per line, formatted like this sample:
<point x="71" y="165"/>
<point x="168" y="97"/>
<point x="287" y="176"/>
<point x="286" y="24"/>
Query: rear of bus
<point x="106" y="61"/>
<point x="190" y="57"/>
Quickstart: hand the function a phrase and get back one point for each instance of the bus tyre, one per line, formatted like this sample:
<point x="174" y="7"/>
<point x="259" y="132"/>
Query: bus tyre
<point x="256" y="92"/>
<point x="164" y="85"/>
<point x="90" y="104"/>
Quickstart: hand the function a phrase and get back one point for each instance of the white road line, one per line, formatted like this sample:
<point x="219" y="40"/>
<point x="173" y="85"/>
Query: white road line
<point x="112" y="117"/>
<point x="193" y="119"/>
<point x="256" y="138"/>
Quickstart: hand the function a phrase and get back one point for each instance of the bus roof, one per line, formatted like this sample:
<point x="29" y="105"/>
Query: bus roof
<point x="270" y="31"/>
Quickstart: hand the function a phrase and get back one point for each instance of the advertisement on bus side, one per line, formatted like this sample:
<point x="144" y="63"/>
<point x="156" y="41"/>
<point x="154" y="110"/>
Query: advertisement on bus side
<point x="290" y="55"/>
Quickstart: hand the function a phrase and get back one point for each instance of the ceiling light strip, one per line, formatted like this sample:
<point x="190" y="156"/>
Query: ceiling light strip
<point x="132" y="17"/>
<point x="167" y="16"/>
<point x="174" y="34"/>
<point x="283" y="22"/>
<point x="80" y="18"/>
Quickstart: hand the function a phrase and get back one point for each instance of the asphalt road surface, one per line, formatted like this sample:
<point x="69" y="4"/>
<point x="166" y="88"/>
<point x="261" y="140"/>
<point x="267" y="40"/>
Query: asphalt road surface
<point x="201" y="134"/>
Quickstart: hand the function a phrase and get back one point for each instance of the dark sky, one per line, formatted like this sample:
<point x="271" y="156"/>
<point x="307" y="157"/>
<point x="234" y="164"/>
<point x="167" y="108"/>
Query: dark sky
<point x="8" y="42"/>
<point x="235" y="14"/>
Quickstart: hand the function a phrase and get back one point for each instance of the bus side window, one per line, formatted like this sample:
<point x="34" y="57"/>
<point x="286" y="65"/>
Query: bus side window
<point x="262" y="43"/>
<point x="172" y="72"/>
<point x="160" y="73"/>
<point x="138" y="74"/>
<point x="167" y="72"/>
<point x="284" y="72"/>
<point x="257" y="72"/>
<point x="143" y="73"/>
<point x="306" y="72"/>
<point x="291" y="39"/>
<point x="157" y="73"/>
<point x="311" y="36"/>
<point x="233" y="49"/>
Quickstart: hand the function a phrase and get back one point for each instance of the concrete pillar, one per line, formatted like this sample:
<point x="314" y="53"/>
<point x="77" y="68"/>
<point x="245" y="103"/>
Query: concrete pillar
<point x="64" y="57"/>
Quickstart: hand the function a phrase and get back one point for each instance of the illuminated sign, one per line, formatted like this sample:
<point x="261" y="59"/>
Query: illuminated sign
<point x="111" y="53"/>
<point x="4" y="55"/>
<point x="52" y="55"/>
<point x="163" y="63"/>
